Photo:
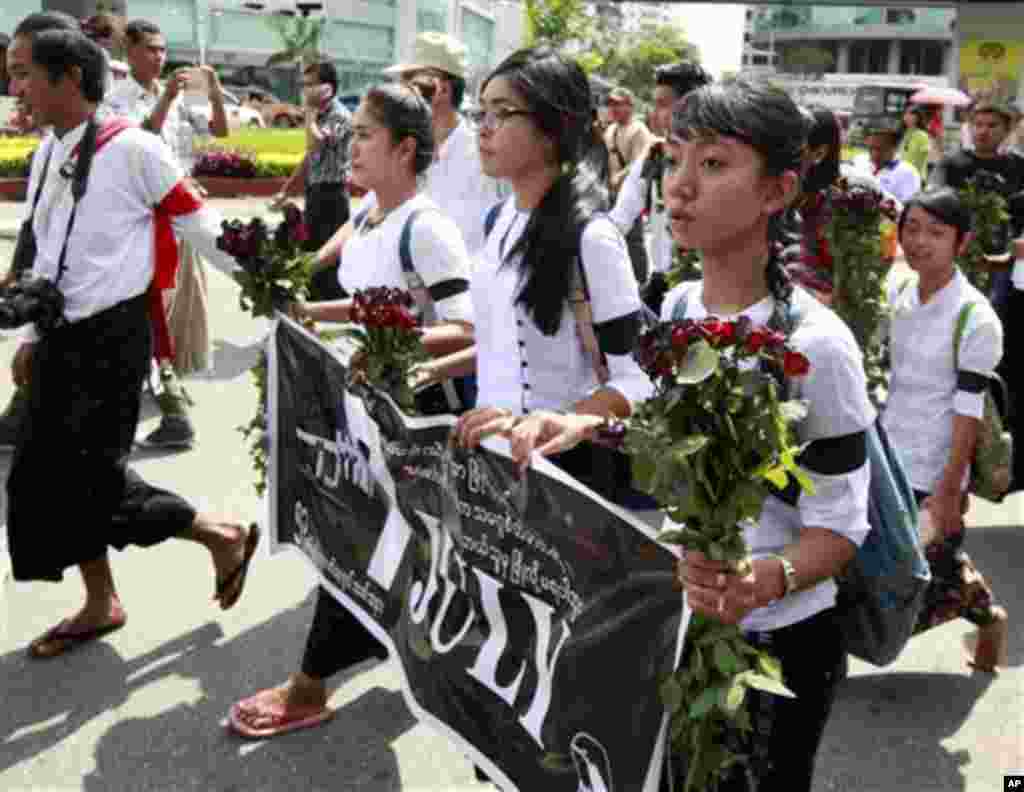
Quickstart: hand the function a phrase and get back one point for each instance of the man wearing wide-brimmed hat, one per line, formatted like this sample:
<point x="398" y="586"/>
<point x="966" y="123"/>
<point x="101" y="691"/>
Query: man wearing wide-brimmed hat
<point x="437" y="71"/>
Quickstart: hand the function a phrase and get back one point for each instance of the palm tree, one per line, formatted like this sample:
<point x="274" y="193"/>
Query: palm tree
<point x="302" y="39"/>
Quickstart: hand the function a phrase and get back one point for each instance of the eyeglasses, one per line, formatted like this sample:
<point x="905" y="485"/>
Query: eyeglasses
<point x="494" y="119"/>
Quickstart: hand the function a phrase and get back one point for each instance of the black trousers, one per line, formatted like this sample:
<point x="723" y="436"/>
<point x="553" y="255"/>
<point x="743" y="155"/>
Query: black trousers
<point x="327" y="210"/>
<point x="787" y="731"/>
<point x="1011" y="369"/>
<point x="337" y="639"/>
<point x="70" y="494"/>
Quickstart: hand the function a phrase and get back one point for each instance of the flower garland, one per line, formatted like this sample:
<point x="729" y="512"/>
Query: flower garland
<point x="709" y="446"/>
<point x="984" y="196"/>
<point x="858" y="219"/>
<point x="275" y="268"/>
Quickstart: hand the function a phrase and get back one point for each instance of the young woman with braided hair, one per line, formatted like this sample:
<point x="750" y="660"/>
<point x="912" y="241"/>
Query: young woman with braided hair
<point x="740" y="147"/>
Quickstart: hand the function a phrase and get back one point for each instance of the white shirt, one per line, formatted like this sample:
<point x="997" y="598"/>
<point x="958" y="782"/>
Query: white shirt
<point x="630" y="204"/>
<point x="111" y="251"/>
<point x="130" y="100"/>
<point x="518" y="367"/>
<point x="835" y="392"/>
<point x="898" y="178"/>
<point x="923" y="394"/>
<point x="456" y="182"/>
<point x="371" y="257"/>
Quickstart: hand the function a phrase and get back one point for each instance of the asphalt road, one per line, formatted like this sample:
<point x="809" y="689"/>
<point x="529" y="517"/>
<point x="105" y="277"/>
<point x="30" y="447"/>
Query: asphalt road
<point x="142" y="709"/>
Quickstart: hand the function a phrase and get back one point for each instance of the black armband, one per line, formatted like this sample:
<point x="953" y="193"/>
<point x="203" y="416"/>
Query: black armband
<point x="971" y="382"/>
<point x="619" y="336"/>
<point x="442" y="290"/>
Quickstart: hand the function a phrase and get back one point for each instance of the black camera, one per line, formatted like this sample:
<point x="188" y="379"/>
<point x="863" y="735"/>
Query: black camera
<point x="32" y="300"/>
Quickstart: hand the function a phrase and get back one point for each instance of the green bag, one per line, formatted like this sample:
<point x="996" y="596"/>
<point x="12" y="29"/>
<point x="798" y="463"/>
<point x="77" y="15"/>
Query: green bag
<point x="992" y="466"/>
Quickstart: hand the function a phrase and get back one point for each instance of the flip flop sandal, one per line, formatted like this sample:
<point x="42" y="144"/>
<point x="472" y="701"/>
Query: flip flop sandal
<point x="239" y="574"/>
<point x="280" y="723"/>
<point x="68" y="640"/>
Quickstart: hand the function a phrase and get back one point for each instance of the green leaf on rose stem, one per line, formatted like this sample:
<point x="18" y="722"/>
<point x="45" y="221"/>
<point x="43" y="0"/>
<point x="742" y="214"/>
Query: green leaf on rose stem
<point x="671" y="694"/>
<point x="769" y="665"/>
<point x="689" y="445"/>
<point x="681" y="535"/>
<point x="734" y="697"/>
<point x="704" y="703"/>
<point x="717" y="553"/>
<point x="701" y="362"/>
<point x="557" y="763"/>
<point x="776" y="475"/>
<point x="793" y="411"/>
<point x="643" y="472"/>
<point x="725" y="660"/>
<point x="765" y="683"/>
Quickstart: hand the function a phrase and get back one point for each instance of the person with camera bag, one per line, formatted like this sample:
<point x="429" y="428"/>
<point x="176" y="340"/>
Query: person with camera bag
<point x="111" y="199"/>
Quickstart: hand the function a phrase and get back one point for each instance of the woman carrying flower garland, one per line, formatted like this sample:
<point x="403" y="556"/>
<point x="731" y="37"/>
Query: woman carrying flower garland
<point x="937" y="399"/>
<point x="392" y="146"/>
<point x="557" y="304"/>
<point x="740" y="147"/>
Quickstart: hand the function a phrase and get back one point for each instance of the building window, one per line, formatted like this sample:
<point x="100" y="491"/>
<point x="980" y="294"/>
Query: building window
<point x="760" y="60"/>
<point x="746" y="38"/>
<point x="869" y="57"/>
<point x="746" y="60"/>
<point x="921" y="57"/>
<point x="900" y="16"/>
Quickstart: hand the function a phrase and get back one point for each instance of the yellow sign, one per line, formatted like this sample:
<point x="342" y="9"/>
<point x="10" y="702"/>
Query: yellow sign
<point x="990" y="70"/>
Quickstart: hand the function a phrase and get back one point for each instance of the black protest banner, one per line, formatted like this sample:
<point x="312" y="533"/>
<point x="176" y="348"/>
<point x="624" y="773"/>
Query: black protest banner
<point x="532" y="621"/>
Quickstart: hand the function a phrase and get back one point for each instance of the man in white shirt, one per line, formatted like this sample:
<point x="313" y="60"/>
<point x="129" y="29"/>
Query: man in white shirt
<point x="160" y="108"/>
<point x="105" y="188"/>
<point x="898" y="178"/>
<point x="455" y="180"/>
<point x="627" y="139"/>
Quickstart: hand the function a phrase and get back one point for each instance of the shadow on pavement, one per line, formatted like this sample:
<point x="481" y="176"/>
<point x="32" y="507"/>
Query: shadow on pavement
<point x="48" y="701"/>
<point x="187" y="746"/>
<point x="901" y="720"/>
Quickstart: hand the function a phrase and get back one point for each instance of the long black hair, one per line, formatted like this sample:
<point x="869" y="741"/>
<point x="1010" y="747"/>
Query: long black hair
<point x="825" y="132"/>
<point x="768" y="121"/>
<point x="557" y="94"/>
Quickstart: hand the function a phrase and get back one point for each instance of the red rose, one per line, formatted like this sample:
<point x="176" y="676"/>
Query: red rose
<point x="775" y="340"/>
<point x="726" y="333"/>
<point x="756" y="340"/>
<point x="794" y="364"/>
<point x="680" y="339"/>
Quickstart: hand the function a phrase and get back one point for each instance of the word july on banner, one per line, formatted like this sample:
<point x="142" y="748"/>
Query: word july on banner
<point x="531" y="620"/>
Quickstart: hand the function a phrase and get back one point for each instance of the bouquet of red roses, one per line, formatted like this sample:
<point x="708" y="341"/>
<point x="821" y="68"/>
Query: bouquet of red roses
<point x="389" y="339"/>
<point x="709" y="446"/>
<point x="275" y="268"/>
<point x="859" y="229"/>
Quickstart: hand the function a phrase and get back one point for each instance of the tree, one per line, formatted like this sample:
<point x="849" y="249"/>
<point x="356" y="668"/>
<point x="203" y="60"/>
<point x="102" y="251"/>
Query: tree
<point x="301" y="38"/>
<point x="632" y="64"/>
<point x="807" y="60"/>
<point x="556" y="23"/>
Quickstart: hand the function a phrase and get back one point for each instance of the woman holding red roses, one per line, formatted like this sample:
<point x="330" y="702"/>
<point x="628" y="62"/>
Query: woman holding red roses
<point x="739" y="147"/>
<point x="393" y="145"/>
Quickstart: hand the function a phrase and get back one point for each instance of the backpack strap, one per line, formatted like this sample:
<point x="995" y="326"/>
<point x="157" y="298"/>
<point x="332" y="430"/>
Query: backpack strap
<point x="421" y="294"/>
<point x="579" y="302"/>
<point x="962" y="319"/>
<point x="491" y="218"/>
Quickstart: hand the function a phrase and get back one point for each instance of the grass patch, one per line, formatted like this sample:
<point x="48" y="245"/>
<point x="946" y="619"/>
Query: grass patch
<point x="291" y="142"/>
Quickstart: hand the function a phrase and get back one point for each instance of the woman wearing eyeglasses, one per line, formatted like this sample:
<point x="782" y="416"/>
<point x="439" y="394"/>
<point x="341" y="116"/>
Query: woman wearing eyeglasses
<point x="535" y="348"/>
<point x="392" y="146"/>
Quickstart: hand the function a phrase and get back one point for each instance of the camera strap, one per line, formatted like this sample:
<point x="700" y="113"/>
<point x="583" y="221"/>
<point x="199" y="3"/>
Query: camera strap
<point x="79" y="181"/>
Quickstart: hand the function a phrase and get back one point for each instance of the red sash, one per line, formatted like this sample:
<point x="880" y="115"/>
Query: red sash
<point x="179" y="201"/>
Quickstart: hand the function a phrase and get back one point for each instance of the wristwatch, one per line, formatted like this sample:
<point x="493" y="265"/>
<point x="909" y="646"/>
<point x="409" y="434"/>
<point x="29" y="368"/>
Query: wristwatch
<point x="788" y="572"/>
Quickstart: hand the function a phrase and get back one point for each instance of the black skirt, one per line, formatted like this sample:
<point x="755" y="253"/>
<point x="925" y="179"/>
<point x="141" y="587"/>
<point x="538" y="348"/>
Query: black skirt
<point x="70" y="494"/>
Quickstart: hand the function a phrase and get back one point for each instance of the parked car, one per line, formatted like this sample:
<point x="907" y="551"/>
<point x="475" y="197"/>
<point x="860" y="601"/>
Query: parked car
<point x="274" y="111"/>
<point x="239" y="115"/>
